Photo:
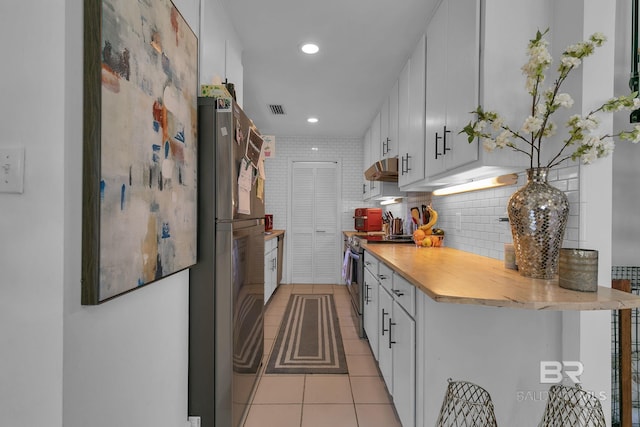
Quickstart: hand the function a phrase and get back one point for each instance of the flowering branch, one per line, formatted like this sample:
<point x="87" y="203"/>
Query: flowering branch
<point x="538" y="125"/>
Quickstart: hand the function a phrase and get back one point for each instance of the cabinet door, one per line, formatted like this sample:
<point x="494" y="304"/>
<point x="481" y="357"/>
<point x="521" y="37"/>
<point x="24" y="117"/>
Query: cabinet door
<point x="403" y="122"/>
<point x="375" y="150"/>
<point x="384" y="128"/>
<point x="463" y="38"/>
<point x="392" y="141"/>
<point x="270" y="272"/>
<point x="366" y="162"/>
<point x="267" y="277"/>
<point x="385" y="357"/>
<point x="412" y="162"/>
<point x="371" y="311"/>
<point x="403" y="343"/>
<point x="436" y="91"/>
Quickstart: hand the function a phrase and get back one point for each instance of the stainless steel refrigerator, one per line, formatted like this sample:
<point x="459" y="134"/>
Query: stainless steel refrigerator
<point x="226" y="286"/>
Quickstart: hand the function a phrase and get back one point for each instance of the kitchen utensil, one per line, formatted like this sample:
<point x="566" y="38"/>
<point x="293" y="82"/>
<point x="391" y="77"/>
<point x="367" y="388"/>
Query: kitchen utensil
<point x="415" y="215"/>
<point x="397" y="226"/>
<point x="426" y="216"/>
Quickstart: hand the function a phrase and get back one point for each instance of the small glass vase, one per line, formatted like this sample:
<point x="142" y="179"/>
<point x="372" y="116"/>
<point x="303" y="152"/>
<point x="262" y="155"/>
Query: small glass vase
<point x="538" y="215"/>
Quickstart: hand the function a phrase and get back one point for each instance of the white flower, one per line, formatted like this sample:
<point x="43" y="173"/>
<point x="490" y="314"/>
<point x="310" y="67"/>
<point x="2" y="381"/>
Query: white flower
<point x="636" y="103"/>
<point x="598" y="38"/>
<point x="541" y="109"/>
<point x="532" y="125"/>
<point x="589" y="123"/>
<point x="497" y="123"/>
<point x="488" y="144"/>
<point x="503" y="139"/>
<point x="570" y="61"/>
<point x="605" y="147"/>
<point x="590" y="155"/>
<point x="479" y="126"/>
<point x="564" y="100"/>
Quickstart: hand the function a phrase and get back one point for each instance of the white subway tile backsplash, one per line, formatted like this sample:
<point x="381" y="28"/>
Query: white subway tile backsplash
<point x="348" y="150"/>
<point x="482" y="232"/>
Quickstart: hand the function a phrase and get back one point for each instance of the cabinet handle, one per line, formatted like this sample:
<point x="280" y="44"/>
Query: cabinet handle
<point x="408" y="157"/>
<point x="398" y="293"/>
<point x="383" y="329"/>
<point x="390" y="340"/>
<point x="402" y="167"/>
<point x="367" y="263"/>
<point x="382" y="277"/>
<point x="366" y="293"/>
<point x="364" y="188"/>
<point x="385" y="147"/>
<point x="444" y="141"/>
<point x="438" y="137"/>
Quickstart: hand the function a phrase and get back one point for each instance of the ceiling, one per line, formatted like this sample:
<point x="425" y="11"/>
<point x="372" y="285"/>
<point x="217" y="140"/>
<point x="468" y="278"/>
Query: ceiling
<point x="363" y="46"/>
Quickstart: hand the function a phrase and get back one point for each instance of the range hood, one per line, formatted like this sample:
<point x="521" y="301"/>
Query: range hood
<point x="383" y="170"/>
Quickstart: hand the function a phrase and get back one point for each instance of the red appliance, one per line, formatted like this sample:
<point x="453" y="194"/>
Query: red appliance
<point x="368" y="219"/>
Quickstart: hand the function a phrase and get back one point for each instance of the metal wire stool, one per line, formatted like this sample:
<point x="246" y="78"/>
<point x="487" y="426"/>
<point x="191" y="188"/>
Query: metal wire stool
<point x="572" y="406"/>
<point x="466" y="405"/>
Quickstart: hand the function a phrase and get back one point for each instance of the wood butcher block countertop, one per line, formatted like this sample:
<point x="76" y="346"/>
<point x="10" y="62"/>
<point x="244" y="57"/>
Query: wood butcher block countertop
<point x="454" y="276"/>
<point x="273" y="234"/>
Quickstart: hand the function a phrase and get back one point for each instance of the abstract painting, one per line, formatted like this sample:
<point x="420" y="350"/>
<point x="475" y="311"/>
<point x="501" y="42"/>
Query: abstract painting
<point x="140" y="146"/>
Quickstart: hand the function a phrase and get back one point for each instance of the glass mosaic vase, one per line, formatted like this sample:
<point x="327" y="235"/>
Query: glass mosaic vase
<point x="538" y="215"/>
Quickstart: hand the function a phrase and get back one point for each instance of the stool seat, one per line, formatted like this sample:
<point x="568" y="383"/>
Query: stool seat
<point x="466" y="405"/>
<point x="572" y="406"/>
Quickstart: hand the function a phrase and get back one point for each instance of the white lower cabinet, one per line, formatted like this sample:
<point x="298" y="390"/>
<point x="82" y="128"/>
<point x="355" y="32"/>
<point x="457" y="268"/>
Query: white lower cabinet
<point x="402" y="335"/>
<point x="371" y="310"/>
<point x="270" y="268"/>
<point x="391" y="329"/>
<point x="385" y="354"/>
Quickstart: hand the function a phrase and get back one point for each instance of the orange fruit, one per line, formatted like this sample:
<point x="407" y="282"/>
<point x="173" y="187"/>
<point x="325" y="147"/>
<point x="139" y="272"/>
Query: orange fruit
<point x="418" y="235"/>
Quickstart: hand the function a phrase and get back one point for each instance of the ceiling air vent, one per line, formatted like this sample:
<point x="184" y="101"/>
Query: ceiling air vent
<point x="276" y="109"/>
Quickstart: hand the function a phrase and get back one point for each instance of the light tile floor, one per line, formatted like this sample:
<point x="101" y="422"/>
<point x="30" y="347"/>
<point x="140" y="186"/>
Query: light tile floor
<point x="357" y="399"/>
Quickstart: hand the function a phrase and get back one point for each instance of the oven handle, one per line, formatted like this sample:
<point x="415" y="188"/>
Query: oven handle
<point x="354" y="255"/>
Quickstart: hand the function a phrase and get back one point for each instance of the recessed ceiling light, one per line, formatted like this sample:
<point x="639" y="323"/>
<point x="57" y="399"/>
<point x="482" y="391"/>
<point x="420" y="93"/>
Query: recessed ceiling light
<point x="312" y="120"/>
<point x="310" y="48"/>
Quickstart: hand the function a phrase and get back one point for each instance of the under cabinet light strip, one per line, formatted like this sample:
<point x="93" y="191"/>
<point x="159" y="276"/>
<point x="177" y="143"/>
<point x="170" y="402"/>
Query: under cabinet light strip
<point x="481" y="184"/>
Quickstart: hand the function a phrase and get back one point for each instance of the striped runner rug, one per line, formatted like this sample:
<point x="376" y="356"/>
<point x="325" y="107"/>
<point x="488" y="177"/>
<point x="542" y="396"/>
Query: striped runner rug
<point x="309" y="339"/>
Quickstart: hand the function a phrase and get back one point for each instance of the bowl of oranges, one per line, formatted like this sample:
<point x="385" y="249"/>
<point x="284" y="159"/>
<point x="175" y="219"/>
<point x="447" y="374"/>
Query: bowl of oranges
<point x="428" y="238"/>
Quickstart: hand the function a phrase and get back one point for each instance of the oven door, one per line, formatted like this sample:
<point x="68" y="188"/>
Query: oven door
<point x="355" y="262"/>
<point x="354" y="285"/>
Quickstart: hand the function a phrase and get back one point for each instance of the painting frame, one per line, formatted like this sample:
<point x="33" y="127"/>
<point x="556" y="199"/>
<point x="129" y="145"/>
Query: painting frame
<point x="140" y="89"/>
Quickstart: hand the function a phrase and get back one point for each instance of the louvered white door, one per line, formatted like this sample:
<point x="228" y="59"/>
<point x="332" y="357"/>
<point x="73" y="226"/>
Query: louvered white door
<point x="314" y="244"/>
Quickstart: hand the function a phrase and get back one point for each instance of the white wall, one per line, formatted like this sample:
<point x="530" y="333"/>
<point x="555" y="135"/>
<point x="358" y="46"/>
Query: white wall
<point x="125" y="362"/>
<point x="626" y="174"/>
<point x="121" y="363"/>
<point x="348" y="150"/>
<point x="221" y="53"/>
<point x="32" y="223"/>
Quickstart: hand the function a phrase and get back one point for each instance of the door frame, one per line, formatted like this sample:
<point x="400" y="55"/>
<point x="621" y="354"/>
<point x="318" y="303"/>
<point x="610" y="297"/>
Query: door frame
<point x="338" y="242"/>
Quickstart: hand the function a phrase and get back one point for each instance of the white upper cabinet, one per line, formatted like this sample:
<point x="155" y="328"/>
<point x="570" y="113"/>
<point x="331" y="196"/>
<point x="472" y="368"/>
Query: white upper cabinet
<point x="412" y="147"/>
<point x="376" y="145"/>
<point x="452" y="79"/>
<point x="366" y="162"/>
<point x="391" y="143"/>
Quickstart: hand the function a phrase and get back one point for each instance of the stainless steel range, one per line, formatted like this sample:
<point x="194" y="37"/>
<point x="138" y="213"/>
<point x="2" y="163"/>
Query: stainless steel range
<point x="354" y="279"/>
<point x="354" y="274"/>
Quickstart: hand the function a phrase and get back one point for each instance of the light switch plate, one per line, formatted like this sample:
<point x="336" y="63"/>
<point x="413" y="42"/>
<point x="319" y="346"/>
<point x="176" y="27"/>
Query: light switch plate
<point x="11" y="169"/>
